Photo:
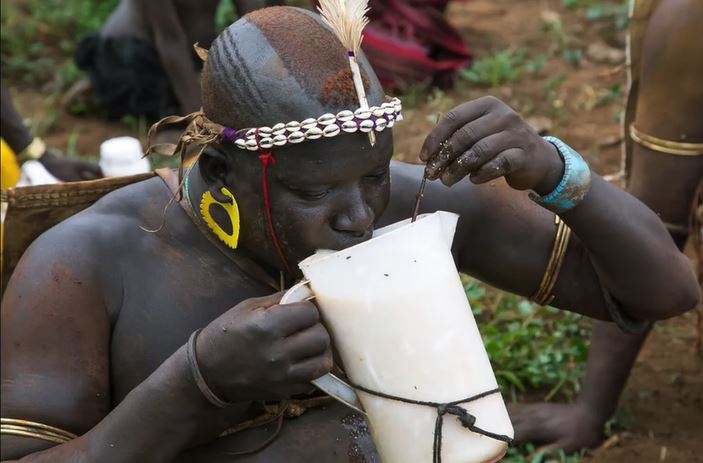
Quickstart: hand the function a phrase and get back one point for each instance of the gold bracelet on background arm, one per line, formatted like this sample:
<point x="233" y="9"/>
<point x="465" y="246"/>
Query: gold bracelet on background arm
<point x="24" y="428"/>
<point x="544" y="295"/>
<point x="665" y="146"/>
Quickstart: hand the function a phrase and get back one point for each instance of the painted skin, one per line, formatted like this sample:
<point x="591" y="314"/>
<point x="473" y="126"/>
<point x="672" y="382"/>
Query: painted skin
<point x="110" y="306"/>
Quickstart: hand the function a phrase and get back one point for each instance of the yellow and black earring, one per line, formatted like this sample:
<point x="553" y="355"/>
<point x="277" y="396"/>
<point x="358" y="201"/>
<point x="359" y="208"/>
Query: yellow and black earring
<point x="232" y="210"/>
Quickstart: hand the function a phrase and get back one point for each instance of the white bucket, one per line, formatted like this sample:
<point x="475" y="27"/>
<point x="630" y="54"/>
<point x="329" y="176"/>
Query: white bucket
<point x="400" y="320"/>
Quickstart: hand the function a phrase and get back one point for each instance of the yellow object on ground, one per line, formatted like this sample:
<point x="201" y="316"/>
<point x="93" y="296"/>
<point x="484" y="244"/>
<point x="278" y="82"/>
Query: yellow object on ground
<point x="9" y="169"/>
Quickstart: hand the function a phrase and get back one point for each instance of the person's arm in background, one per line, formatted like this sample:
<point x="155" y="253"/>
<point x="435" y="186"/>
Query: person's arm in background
<point x="670" y="107"/>
<point x="175" y="53"/>
<point x="18" y="138"/>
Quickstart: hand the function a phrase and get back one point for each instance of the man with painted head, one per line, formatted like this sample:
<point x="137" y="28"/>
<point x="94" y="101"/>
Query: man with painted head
<point x="138" y="332"/>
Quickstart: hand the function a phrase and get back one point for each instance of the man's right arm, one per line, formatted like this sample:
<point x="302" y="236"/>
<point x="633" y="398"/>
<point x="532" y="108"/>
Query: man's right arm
<point x="56" y="360"/>
<point x="55" y="367"/>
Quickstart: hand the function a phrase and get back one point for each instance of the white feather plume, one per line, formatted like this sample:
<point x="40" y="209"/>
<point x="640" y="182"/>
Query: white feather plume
<point x="347" y="18"/>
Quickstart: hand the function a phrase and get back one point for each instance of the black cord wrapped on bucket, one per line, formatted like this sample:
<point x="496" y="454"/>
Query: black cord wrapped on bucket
<point x="466" y="419"/>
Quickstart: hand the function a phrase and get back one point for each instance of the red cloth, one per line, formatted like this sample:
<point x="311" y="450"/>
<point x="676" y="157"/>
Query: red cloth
<point x="409" y="41"/>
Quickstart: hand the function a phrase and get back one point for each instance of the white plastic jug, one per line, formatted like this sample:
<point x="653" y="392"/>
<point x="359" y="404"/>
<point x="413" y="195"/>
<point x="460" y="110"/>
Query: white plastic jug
<point x="400" y="320"/>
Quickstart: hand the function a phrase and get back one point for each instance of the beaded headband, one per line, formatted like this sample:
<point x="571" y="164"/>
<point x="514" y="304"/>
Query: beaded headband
<point x="365" y="120"/>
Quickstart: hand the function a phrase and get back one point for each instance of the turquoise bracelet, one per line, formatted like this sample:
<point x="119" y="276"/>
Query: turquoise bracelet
<point x="574" y="185"/>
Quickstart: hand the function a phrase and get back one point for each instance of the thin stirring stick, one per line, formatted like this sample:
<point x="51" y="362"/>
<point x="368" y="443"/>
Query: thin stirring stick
<point x="421" y="191"/>
<point x="419" y="196"/>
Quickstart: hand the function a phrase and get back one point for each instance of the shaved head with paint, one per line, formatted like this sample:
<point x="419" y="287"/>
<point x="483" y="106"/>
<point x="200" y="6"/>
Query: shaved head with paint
<point x="280" y="64"/>
<point x="274" y="66"/>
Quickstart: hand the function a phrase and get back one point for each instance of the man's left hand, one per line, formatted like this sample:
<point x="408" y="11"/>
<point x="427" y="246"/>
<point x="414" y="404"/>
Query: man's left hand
<point x="485" y="139"/>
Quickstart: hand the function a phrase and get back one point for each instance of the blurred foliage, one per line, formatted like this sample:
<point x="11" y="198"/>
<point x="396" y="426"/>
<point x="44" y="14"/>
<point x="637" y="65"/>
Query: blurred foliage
<point x="503" y="67"/>
<point x="529" y="454"/>
<point x="225" y="15"/>
<point x="531" y="347"/>
<point x="616" y="13"/>
<point x="39" y="36"/>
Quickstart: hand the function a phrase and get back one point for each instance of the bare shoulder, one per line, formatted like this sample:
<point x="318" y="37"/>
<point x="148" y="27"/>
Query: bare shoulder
<point x="56" y="314"/>
<point x="90" y="245"/>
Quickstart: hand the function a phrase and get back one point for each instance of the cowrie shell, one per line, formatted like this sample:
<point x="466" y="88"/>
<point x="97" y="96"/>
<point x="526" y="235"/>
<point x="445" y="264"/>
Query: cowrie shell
<point x="350" y="127"/>
<point x="296" y="137"/>
<point x="366" y="125"/>
<point x="362" y="113"/>
<point x="308" y="123"/>
<point x="252" y="145"/>
<point x="326" y="119"/>
<point x="344" y="116"/>
<point x="278" y="129"/>
<point x="331" y="130"/>
<point x="293" y="126"/>
<point x="313" y="133"/>
<point x="280" y="140"/>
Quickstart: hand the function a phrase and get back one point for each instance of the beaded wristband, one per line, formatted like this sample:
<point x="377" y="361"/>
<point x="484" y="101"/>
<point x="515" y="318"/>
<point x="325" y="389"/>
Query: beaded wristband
<point x="574" y="185"/>
<point x="198" y="376"/>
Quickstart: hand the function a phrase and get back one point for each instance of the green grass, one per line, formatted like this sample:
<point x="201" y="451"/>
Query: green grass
<point x="39" y="37"/>
<point x="528" y="454"/>
<point x="498" y="69"/>
<point x="532" y="348"/>
<point x="537" y="353"/>
<point x="614" y="12"/>
<point x="503" y="67"/>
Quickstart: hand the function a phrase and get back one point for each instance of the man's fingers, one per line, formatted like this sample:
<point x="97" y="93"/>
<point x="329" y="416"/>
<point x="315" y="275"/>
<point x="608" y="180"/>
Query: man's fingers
<point x="451" y="122"/>
<point x="460" y="141"/>
<point x="482" y="152"/>
<point x="287" y="319"/>
<point x="311" y="368"/>
<point x="264" y="301"/>
<point x="310" y="342"/>
<point x="506" y="162"/>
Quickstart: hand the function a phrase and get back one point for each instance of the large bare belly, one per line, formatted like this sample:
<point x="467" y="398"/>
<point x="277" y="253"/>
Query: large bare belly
<point x="329" y="434"/>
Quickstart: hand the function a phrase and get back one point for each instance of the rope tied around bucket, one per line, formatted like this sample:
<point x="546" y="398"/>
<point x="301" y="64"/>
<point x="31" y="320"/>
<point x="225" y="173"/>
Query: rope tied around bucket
<point x="466" y="419"/>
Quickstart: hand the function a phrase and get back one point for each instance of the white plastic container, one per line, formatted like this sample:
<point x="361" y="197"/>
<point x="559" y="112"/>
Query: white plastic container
<point x="401" y="322"/>
<point x="122" y="156"/>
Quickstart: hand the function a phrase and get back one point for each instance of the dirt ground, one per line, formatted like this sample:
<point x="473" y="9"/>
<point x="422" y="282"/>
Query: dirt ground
<point x="663" y="403"/>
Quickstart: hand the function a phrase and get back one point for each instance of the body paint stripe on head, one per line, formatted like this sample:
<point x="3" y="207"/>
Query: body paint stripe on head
<point x="236" y="81"/>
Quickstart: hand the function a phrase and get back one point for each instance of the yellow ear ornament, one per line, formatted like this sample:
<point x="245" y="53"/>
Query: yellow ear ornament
<point x="232" y="210"/>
